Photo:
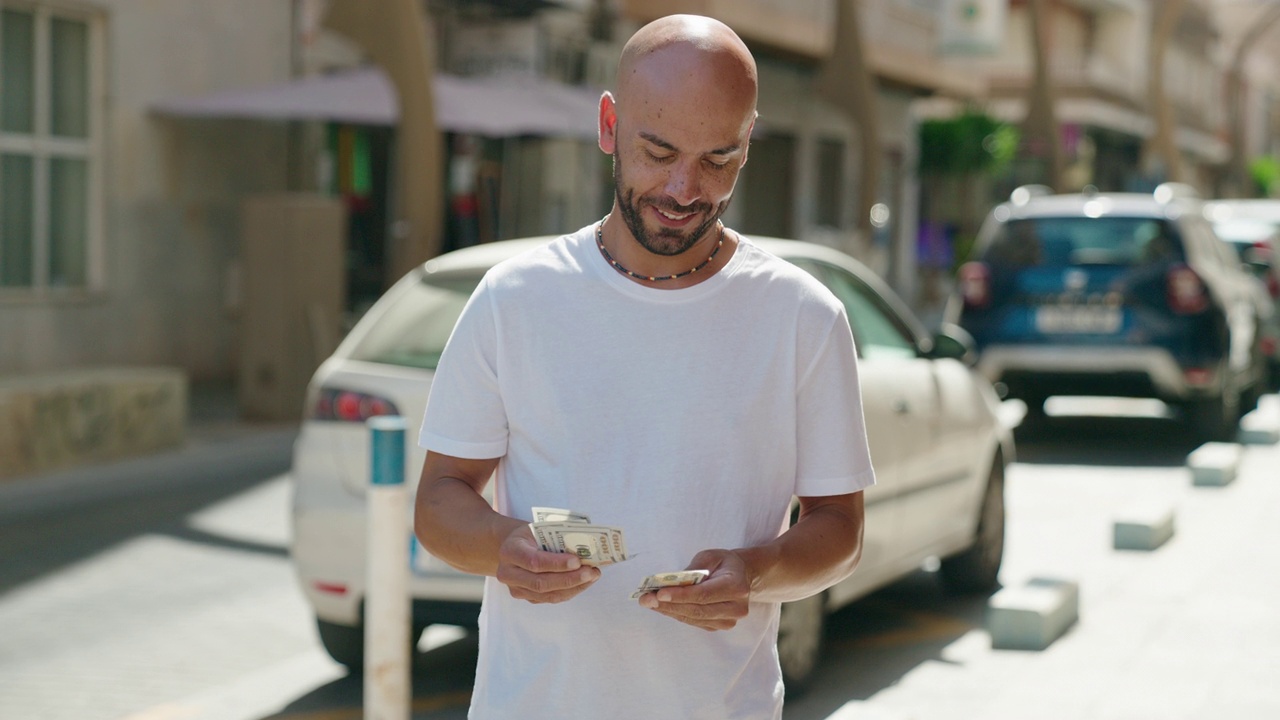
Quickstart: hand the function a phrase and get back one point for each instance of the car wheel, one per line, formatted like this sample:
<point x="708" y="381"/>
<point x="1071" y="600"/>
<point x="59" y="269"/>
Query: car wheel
<point x="977" y="569"/>
<point x="344" y="643"/>
<point x="801" y="628"/>
<point x="1213" y="418"/>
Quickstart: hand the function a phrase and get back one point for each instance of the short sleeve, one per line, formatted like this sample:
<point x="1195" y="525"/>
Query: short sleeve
<point x="465" y="415"/>
<point x="832" y="457"/>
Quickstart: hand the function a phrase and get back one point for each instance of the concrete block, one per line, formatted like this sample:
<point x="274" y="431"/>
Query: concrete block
<point x="1032" y="616"/>
<point x="1144" y="527"/>
<point x="1214" y="464"/>
<point x="62" y="419"/>
<point x="1259" y="428"/>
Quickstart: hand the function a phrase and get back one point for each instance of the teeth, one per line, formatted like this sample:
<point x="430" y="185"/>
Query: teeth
<point x="673" y="217"/>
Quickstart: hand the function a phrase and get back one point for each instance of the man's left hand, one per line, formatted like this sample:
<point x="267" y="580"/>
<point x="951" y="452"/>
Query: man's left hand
<point x="717" y="603"/>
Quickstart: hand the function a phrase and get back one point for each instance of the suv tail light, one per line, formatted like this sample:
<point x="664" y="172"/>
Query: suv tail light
<point x="1273" y="285"/>
<point x="1186" y="291"/>
<point x="349" y="406"/>
<point x="974" y="279"/>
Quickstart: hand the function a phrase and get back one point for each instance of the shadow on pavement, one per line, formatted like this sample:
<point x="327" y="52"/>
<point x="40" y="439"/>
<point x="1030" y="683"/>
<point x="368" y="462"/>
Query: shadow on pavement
<point x="1104" y="440"/>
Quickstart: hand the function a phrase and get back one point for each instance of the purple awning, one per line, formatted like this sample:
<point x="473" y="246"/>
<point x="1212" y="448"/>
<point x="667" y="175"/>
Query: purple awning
<point x="497" y="106"/>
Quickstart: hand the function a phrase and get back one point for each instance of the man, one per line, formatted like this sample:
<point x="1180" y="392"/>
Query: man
<point x="657" y="372"/>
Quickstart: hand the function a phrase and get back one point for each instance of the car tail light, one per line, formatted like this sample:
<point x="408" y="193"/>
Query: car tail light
<point x="974" y="279"/>
<point x="1269" y="347"/>
<point x="1273" y="285"/>
<point x="1198" y="377"/>
<point x="1186" y="291"/>
<point x="349" y="406"/>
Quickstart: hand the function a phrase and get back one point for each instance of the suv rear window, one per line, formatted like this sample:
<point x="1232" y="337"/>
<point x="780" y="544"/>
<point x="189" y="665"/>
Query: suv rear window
<point x="1062" y="242"/>
<point x="412" y="330"/>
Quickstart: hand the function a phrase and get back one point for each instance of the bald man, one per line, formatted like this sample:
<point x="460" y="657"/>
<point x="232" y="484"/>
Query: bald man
<point x="657" y="372"/>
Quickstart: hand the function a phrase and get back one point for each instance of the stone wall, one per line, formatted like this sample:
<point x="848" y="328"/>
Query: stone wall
<point x="58" y="420"/>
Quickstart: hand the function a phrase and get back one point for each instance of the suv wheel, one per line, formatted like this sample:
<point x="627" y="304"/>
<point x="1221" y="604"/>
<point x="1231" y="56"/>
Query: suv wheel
<point x="801" y="628"/>
<point x="977" y="569"/>
<point x="1213" y="419"/>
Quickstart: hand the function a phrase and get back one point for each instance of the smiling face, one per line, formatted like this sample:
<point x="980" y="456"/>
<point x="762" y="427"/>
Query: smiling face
<point x="678" y="130"/>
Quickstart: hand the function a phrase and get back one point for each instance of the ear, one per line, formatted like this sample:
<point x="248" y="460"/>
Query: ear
<point x="608" y="121"/>
<point x="747" y="147"/>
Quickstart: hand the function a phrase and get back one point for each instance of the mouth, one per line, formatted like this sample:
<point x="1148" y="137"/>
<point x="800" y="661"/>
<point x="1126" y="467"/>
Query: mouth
<point x="673" y="219"/>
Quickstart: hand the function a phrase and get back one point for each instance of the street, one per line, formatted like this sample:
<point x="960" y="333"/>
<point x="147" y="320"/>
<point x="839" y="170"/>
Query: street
<point x="124" y="598"/>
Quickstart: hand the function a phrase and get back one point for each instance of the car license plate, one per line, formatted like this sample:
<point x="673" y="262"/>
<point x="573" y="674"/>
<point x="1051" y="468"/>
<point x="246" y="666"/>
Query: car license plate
<point x="422" y="562"/>
<point x="1078" y="319"/>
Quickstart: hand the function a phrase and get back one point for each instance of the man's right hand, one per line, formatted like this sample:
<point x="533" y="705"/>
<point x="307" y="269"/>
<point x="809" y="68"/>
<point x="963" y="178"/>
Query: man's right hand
<point x="533" y="574"/>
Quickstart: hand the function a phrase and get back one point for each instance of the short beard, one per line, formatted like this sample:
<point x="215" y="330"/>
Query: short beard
<point x="665" y="241"/>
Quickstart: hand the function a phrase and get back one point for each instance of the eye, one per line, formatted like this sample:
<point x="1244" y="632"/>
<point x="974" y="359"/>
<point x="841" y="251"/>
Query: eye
<point x="718" y="164"/>
<point x="658" y="158"/>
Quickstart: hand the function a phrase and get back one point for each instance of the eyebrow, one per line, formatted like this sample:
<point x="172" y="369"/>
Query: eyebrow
<point x="726" y="150"/>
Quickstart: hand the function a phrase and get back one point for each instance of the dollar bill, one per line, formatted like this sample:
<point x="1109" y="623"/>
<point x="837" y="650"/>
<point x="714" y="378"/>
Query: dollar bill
<point x="669" y="579"/>
<point x="548" y="514"/>
<point x="566" y="531"/>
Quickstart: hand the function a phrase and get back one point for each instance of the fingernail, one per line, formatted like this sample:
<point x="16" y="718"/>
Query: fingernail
<point x="664" y="597"/>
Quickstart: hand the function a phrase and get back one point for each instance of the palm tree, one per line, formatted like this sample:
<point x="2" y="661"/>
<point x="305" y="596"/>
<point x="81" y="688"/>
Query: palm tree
<point x="394" y="34"/>
<point x="1040" y="134"/>
<point x="1160" y="155"/>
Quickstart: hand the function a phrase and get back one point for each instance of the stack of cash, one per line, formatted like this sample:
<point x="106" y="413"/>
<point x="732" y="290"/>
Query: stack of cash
<point x="670" y="579"/>
<point x="559" y="530"/>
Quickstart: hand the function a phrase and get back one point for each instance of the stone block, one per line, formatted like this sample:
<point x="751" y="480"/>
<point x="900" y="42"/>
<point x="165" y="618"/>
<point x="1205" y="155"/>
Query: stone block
<point x="1143" y="528"/>
<point x="1259" y="428"/>
<point x="62" y="419"/>
<point x="1033" y="615"/>
<point x="1214" y="464"/>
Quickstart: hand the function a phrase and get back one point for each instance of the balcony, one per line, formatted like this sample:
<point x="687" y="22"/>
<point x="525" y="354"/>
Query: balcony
<point x="798" y="27"/>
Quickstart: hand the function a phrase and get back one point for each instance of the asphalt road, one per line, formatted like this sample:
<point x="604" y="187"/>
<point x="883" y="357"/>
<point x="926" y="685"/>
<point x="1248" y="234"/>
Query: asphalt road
<point x="161" y="590"/>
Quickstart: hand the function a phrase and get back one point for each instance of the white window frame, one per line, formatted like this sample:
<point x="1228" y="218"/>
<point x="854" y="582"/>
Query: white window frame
<point x="42" y="146"/>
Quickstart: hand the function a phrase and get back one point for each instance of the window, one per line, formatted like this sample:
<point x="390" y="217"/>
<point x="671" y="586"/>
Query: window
<point x="49" y="153"/>
<point x="876" y="330"/>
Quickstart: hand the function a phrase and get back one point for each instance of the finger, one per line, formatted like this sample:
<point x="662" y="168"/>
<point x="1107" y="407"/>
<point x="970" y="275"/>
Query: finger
<point x="546" y="583"/>
<point x="705" y="623"/>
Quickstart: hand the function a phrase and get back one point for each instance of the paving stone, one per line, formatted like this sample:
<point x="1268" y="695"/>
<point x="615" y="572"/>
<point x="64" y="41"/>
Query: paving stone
<point x="1032" y="616"/>
<point x="1214" y="464"/>
<point x="1145" y="527"/>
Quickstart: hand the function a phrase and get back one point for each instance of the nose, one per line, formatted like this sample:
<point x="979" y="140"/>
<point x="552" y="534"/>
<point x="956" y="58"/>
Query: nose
<point x="683" y="183"/>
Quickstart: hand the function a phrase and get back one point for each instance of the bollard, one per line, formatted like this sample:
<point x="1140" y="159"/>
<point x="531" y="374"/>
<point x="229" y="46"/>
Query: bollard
<point x="386" y="603"/>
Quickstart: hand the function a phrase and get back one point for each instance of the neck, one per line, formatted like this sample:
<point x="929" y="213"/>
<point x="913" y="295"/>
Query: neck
<point x="690" y="267"/>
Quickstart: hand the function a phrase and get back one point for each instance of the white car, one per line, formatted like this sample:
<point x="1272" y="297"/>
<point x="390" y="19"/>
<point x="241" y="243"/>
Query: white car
<point x="937" y="442"/>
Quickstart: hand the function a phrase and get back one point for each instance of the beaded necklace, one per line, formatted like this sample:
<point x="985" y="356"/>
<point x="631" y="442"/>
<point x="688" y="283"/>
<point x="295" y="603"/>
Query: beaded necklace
<point x="618" y="266"/>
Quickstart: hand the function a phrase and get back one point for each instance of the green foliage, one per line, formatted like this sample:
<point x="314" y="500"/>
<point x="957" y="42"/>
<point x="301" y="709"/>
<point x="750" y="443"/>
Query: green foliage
<point x="973" y="142"/>
<point x="1265" y="172"/>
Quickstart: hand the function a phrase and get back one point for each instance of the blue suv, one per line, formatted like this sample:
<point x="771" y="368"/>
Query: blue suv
<point x="1120" y="294"/>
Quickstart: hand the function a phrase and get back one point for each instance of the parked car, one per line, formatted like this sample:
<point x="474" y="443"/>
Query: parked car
<point x="937" y="442"/>
<point x="1124" y="294"/>
<point x="1252" y="228"/>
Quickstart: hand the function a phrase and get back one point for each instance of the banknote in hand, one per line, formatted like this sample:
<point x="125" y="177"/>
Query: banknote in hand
<point x="670" y="579"/>
<point x="565" y="531"/>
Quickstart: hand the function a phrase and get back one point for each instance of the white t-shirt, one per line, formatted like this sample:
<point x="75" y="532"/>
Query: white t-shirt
<point x="687" y="417"/>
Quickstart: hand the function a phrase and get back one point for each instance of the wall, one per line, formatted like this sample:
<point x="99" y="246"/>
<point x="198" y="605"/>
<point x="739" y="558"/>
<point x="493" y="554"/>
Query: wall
<point x="171" y="193"/>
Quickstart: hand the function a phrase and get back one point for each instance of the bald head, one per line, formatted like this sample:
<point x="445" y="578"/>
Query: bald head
<point x="688" y="52"/>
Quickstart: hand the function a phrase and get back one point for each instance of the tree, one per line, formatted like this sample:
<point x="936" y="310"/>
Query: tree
<point x="1160" y="156"/>
<point x="1238" y="170"/>
<point x="394" y="34"/>
<point x="848" y="82"/>
<point x="1041" y="137"/>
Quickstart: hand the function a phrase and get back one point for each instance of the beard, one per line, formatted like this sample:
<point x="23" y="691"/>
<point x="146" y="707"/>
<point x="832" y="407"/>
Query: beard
<point x="662" y="241"/>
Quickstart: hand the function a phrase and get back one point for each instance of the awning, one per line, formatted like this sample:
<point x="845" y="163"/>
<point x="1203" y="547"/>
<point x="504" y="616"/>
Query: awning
<point x="496" y="106"/>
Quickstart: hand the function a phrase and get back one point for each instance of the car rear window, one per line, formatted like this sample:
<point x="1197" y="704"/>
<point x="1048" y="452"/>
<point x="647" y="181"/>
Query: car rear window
<point x="1063" y="242"/>
<point x="415" y="324"/>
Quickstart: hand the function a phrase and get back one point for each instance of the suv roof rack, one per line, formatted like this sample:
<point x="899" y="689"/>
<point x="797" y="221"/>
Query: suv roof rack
<point x="1022" y="194"/>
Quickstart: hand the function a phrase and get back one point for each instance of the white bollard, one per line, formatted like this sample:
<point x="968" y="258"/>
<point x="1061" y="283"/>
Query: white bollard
<point x="386" y="603"/>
